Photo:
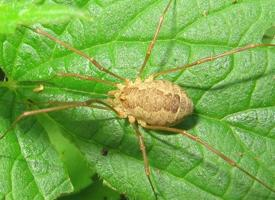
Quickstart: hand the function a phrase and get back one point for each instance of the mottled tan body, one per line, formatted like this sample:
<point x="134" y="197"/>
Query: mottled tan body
<point x="153" y="102"/>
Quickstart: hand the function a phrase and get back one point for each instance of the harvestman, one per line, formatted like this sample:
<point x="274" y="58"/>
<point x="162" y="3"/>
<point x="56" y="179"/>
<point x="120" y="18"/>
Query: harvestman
<point x="142" y="102"/>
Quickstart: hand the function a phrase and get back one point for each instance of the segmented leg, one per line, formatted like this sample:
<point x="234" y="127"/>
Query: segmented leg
<point x="67" y="103"/>
<point x="152" y="43"/>
<point x="82" y="54"/>
<point x="210" y="148"/>
<point x="145" y="158"/>
<point x="53" y="109"/>
<point x="84" y="77"/>
<point x="210" y="58"/>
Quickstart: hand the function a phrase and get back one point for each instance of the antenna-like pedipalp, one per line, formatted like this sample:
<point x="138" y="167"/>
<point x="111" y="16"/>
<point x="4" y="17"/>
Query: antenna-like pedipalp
<point x="82" y="54"/>
<point x="25" y="114"/>
<point x="210" y="58"/>
<point x="210" y="148"/>
<point x="153" y="42"/>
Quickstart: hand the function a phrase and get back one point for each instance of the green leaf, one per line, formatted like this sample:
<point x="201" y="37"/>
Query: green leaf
<point x="234" y="96"/>
<point x="70" y="155"/>
<point x="30" y="166"/>
<point x="97" y="191"/>
<point x="15" y="13"/>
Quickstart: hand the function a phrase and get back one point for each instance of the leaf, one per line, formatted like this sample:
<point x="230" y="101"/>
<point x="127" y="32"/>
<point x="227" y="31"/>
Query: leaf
<point x="15" y="13"/>
<point x="233" y="96"/>
<point x="30" y="166"/>
<point x="70" y="156"/>
<point x="97" y="191"/>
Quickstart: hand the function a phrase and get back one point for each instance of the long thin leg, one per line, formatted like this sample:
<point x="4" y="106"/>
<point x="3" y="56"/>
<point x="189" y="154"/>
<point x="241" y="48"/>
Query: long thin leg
<point x="53" y="109"/>
<point x="210" y="148"/>
<point x="84" y="77"/>
<point x="152" y="44"/>
<point x="211" y="58"/>
<point x="82" y="54"/>
<point x="66" y="103"/>
<point x="145" y="158"/>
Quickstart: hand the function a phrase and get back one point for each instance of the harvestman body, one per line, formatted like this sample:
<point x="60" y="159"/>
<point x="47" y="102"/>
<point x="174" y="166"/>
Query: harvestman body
<point x="153" y="104"/>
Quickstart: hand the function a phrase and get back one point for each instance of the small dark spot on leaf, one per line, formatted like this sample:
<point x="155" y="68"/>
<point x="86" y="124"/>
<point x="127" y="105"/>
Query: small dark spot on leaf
<point x="2" y="75"/>
<point x="104" y="151"/>
<point x="123" y="197"/>
<point x="30" y="101"/>
<point x="269" y="35"/>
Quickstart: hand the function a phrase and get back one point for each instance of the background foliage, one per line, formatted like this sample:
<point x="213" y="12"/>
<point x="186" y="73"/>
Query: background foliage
<point x="234" y="101"/>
